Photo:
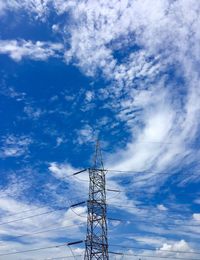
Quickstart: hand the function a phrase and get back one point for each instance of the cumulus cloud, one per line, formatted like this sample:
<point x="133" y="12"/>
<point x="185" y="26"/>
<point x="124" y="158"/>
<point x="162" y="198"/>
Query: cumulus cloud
<point x="28" y="49"/>
<point x="181" y="250"/>
<point x="180" y="246"/>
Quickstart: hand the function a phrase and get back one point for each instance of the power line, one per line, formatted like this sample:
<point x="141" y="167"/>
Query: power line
<point x="62" y="257"/>
<point x="79" y="215"/>
<point x="73" y="255"/>
<point x="33" y="250"/>
<point x="146" y="208"/>
<point x="120" y="220"/>
<point x="134" y="207"/>
<point x="29" y="210"/>
<point x="118" y="253"/>
<point x="141" y="207"/>
<point x="122" y="171"/>
<point x="42" y="248"/>
<point x="157" y="223"/>
<point x="135" y="171"/>
<point x="152" y="256"/>
<point x="118" y="171"/>
<point x="159" y="142"/>
<point x="136" y="241"/>
<point x="106" y="170"/>
<point x="153" y="208"/>
<point x="80" y="224"/>
<point x="44" y="231"/>
<point x="36" y="215"/>
<point x="24" y="211"/>
<point x="79" y="179"/>
<point x="160" y="250"/>
<point x="146" y="192"/>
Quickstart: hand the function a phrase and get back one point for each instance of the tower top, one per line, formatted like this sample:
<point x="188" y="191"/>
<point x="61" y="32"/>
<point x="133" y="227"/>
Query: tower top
<point x="98" y="160"/>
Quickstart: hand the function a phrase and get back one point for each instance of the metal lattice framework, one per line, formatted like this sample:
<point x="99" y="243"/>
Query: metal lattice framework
<point x="96" y="245"/>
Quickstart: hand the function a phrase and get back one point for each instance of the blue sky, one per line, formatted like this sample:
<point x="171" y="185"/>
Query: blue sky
<point x="126" y="72"/>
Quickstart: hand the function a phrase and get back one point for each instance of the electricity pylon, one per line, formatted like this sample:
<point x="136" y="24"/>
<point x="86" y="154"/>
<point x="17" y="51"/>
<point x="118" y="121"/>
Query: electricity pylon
<point x="96" y="244"/>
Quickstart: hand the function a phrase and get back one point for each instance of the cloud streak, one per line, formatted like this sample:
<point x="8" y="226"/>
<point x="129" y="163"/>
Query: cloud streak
<point x="17" y="50"/>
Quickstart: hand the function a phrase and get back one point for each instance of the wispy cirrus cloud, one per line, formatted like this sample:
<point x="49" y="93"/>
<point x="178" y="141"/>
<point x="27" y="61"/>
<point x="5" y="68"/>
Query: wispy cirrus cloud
<point x="39" y="7"/>
<point x="14" y="146"/>
<point x="158" y="115"/>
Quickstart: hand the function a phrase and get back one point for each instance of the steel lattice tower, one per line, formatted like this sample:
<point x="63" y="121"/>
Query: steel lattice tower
<point x="96" y="244"/>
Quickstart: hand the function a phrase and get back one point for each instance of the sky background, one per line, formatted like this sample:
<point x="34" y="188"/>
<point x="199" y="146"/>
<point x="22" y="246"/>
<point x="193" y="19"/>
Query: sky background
<point x="126" y="72"/>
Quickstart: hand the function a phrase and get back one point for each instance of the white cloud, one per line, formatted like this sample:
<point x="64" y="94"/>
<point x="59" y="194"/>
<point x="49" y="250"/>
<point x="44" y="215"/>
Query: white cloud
<point x="197" y="201"/>
<point x="158" y="118"/>
<point x="75" y="216"/>
<point x="196" y="216"/>
<point x="77" y="185"/>
<point x="155" y="241"/>
<point x="12" y="93"/>
<point x="38" y="7"/>
<point x="86" y="135"/>
<point x="177" y="246"/>
<point x="33" y="113"/>
<point x="2" y="7"/>
<point x="55" y="28"/>
<point x="89" y="95"/>
<point x="14" y="146"/>
<point x="61" y="171"/>
<point x="160" y="254"/>
<point x="18" y="50"/>
<point x="53" y="222"/>
<point x="103" y="26"/>
<point x="162" y="207"/>
<point x="157" y="115"/>
<point x="59" y="141"/>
